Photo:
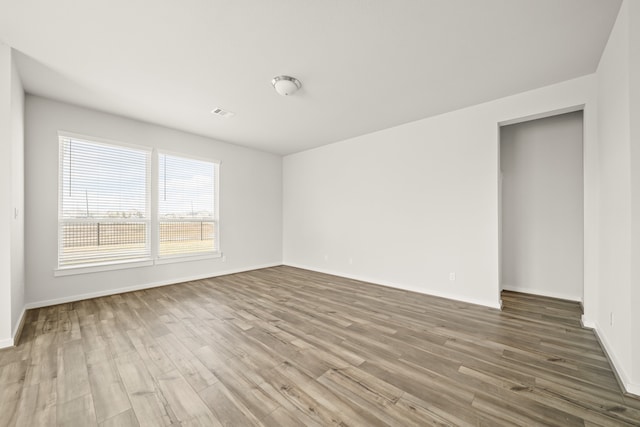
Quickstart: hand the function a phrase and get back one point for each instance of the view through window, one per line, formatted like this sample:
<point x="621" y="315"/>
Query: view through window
<point x="186" y="205"/>
<point x="104" y="203"/>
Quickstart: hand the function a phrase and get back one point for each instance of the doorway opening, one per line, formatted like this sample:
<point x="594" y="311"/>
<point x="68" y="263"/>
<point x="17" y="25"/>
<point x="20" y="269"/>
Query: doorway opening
<point x="542" y="207"/>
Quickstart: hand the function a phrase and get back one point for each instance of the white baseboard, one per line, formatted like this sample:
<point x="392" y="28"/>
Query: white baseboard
<point x="543" y="293"/>
<point x="80" y="297"/>
<point x="10" y="342"/>
<point x="626" y="383"/>
<point x="17" y="330"/>
<point x="587" y="323"/>
<point x="633" y="389"/>
<point x="376" y="281"/>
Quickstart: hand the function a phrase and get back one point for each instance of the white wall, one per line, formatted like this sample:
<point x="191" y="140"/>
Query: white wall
<point x="17" y="200"/>
<point x="250" y="203"/>
<point x="5" y="195"/>
<point x="634" y="98"/>
<point x="11" y="198"/>
<point x="618" y="302"/>
<point x="408" y="205"/>
<point x="542" y="206"/>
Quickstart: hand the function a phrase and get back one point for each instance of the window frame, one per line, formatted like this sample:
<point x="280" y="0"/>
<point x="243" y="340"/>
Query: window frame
<point x="152" y="209"/>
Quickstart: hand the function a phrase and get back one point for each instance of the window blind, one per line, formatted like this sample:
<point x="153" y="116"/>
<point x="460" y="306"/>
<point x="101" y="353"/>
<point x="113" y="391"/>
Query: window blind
<point x="186" y="205"/>
<point x="104" y="203"/>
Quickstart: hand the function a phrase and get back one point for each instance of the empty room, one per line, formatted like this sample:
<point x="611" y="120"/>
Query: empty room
<point x="296" y="213"/>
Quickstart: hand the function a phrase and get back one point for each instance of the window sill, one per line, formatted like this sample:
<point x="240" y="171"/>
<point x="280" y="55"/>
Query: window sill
<point x="187" y="258"/>
<point x="70" y="271"/>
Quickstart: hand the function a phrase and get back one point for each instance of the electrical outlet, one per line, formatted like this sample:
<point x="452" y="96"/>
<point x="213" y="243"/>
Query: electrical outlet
<point x="224" y="258"/>
<point x="611" y="319"/>
<point x="350" y="260"/>
<point x="452" y="277"/>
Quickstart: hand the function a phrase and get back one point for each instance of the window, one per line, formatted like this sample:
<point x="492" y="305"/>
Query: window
<point x="186" y="205"/>
<point x="104" y="203"/>
<point x="105" y="210"/>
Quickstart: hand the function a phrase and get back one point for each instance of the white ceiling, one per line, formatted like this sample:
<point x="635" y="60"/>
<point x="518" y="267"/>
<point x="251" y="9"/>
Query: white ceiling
<point x="365" y="65"/>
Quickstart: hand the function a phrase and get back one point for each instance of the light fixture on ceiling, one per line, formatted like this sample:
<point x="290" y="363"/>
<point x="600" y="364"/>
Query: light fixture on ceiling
<point x="286" y="85"/>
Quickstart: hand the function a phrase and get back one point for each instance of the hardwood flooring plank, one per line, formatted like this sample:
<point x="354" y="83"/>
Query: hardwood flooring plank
<point x="280" y="417"/>
<point x="373" y="396"/>
<point x="419" y="413"/>
<point x="341" y="412"/>
<point x="109" y="395"/>
<point x="9" y="402"/>
<point x="246" y="391"/>
<point x="123" y="419"/>
<point x="227" y="408"/>
<point x="189" y="366"/>
<point x="144" y="395"/>
<point x="147" y="347"/>
<point x="37" y="405"/>
<point x="73" y="378"/>
<point x="185" y="402"/>
<point x="78" y="412"/>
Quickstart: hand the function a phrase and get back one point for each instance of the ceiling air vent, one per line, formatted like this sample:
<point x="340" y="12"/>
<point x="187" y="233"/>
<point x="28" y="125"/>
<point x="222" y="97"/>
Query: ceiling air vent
<point x="222" y="113"/>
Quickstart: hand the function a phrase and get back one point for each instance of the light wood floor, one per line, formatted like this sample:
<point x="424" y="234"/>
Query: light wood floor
<point x="283" y="346"/>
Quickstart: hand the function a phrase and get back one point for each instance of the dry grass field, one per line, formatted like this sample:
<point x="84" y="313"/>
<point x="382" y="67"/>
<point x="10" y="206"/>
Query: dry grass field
<point x="108" y="241"/>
